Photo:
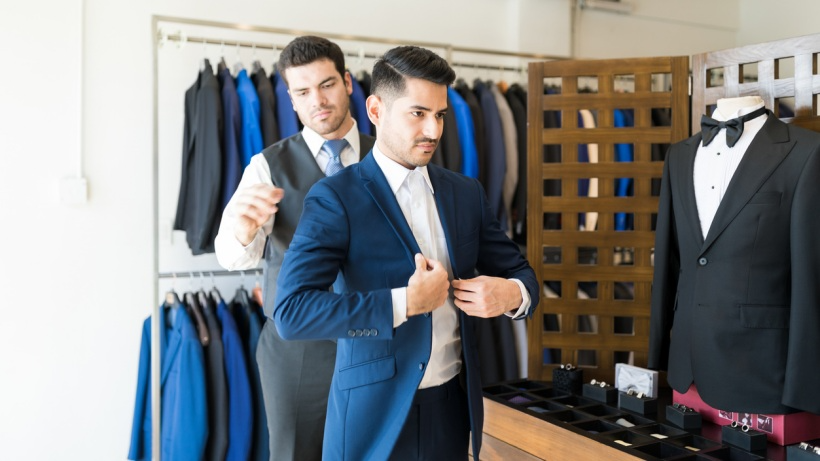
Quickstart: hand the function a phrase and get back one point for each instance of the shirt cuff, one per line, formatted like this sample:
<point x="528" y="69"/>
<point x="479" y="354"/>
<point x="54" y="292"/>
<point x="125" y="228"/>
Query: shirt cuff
<point x="525" y="304"/>
<point x="232" y="255"/>
<point x="399" y="296"/>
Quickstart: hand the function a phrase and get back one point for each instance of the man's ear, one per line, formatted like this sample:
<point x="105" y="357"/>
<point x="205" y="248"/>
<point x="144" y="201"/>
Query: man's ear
<point x="375" y="109"/>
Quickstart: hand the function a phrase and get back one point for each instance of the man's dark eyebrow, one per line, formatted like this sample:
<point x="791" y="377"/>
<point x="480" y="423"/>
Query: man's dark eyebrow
<point x="332" y="77"/>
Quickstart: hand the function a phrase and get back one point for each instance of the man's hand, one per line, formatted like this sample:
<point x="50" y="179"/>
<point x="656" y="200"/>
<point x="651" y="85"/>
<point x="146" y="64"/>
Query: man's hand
<point x="486" y="296"/>
<point x="254" y="206"/>
<point x="428" y="287"/>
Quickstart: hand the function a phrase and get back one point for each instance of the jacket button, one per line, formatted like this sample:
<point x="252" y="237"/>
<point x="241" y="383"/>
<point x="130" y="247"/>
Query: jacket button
<point x="374" y="332"/>
<point x="366" y="332"/>
<point x="703" y="261"/>
<point x="427" y="314"/>
<point x="358" y="332"/>
<point x="351" y="333"/>
<point x="421" y="366"/>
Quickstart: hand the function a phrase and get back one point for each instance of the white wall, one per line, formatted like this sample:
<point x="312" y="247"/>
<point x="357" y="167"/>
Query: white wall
<point x="764" y="21"/>
<point x="78" y="281"/>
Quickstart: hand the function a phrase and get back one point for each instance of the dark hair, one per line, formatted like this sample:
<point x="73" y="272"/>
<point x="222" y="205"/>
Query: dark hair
<point x="392" y="69"/>
<point x="304" y="50"/>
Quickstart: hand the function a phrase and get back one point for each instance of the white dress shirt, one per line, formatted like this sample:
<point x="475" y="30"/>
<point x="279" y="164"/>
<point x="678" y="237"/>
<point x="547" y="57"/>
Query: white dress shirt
<point x="716" y="163"/>
<point x="230" y="253"/>
<point x="445" y="355"/>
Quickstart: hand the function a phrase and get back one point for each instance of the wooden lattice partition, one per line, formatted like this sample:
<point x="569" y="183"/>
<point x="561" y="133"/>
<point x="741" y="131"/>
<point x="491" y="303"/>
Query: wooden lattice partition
<point x="591" y="332"/>
<point x="779" y="71"/>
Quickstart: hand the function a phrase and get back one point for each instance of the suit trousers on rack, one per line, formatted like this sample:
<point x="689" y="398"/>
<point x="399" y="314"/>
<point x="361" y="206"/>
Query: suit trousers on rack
<point x="298" y="382"/>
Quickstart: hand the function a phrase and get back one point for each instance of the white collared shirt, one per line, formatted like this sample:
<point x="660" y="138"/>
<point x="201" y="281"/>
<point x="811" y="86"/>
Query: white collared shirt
<point x="715" y="164"/>
<point x="230" y="253"/>
<point x="445" y="356"/>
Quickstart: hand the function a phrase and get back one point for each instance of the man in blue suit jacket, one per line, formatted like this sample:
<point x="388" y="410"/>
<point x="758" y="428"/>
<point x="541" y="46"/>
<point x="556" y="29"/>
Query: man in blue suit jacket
<point x="409" y="239"/>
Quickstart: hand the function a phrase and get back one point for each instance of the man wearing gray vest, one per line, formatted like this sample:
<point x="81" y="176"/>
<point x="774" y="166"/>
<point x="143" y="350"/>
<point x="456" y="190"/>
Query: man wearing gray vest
<point x="261" y="218"/>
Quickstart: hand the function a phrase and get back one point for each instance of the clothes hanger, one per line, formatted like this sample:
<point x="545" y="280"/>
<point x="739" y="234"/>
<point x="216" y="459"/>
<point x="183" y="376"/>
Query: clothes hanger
<point x="237" y="66"/>
<point x="241" y="297"/>
<point x="195" y="309"/>
<point x="205" y="301"/>
<point x="215" y="294"/>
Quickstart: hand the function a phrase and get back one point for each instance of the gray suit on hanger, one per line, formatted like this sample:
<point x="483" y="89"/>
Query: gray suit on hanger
<point x="295" y="375"/>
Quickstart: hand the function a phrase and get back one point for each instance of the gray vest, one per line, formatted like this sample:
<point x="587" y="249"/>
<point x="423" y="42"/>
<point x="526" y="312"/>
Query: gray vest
<point x="294" y="169"/>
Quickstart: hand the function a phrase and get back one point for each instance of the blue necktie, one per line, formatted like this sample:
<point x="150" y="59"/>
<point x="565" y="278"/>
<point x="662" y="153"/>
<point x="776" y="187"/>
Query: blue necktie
<point x="335" y="148"/>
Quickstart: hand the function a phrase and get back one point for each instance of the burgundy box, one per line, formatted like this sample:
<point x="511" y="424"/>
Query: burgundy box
<point x="780" y="429"/>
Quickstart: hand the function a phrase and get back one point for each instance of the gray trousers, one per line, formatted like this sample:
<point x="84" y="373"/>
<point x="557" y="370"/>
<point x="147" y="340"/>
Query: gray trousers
<point x="295" y="377"/>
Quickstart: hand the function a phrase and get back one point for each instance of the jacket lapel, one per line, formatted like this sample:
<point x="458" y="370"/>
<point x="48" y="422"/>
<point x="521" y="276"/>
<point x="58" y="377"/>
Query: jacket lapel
<point x="376" y="185"/>
<point x="687" y="191"/>
<point x="446" y="209"/>
<point x="170" y="340"/>
<point x="767" y="151"/>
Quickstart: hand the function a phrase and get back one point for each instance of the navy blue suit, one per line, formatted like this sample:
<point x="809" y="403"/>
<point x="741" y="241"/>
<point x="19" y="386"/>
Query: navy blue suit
<point x="352" y="222"/>
<point x="288" y="120"/>
<point x="184" y="403"/>
<point x="240" y="405"/>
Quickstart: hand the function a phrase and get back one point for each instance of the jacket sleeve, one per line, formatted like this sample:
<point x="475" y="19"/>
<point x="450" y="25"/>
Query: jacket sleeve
<point x="665" y="281"/>
<point x="304" y="307"/>
<point x="140" y="434"/>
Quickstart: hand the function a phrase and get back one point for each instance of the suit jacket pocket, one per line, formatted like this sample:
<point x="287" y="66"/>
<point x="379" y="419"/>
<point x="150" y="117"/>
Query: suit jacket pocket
<point x="366" y="373"/>
<point x="766" y="198"/>
<point x="764" y="316"/>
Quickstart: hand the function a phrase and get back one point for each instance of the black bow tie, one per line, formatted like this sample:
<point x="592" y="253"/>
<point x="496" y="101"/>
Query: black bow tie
<point x="734" y="127"/>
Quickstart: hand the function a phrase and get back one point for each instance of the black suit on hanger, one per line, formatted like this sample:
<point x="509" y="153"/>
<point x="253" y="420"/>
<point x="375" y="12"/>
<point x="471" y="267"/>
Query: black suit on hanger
<point x="448" y="151"/>
<point x="267" y="107"/>
<point x="737" y="313"/>
<point x="217" y="386"/>
<point x="200" y="201"/>
<point x="478" y="124"/>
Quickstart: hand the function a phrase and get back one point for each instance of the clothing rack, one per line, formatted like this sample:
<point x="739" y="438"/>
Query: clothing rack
<point x="210" y="273"/>
<point x="160" y="38"/>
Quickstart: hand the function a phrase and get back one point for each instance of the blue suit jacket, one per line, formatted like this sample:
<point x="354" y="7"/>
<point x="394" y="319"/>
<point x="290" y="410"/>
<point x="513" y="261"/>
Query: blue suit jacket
<point x="251" y="140"/>
<point x="353" y="223"/>
<point x="240" y="405"/>
<point x="184" y="403"/>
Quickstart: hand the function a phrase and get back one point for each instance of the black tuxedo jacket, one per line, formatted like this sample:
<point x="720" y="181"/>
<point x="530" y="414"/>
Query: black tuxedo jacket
<point x="738" y="312"/>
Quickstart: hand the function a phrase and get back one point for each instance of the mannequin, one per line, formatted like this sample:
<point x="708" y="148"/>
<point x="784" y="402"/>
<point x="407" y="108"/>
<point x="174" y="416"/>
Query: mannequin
<point x="728" y="107"/>
<point x="734" y="308"/>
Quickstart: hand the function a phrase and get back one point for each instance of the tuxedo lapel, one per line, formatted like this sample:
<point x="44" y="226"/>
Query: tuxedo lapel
<point x="376" y="185"/>
<point x="687" y="189"/>
<point x="767" y="151"/>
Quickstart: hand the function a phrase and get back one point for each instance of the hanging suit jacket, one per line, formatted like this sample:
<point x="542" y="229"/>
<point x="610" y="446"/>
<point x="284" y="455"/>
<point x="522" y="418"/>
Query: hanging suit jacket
<point x="358" y="107"/>
<point x="251" y="140"/>
<point x="737" y="313"/>
<point x="216" y="386"/>
<point x="466" y="133"/>
<point x="199" y="203"/>
<point x="240" y="405"/>
<point x="496" y="154"/>
<point x="267" y="106"/>
<point x="448" y="150"/>
<point x="249" y="318"/>
<point x="478" y="124"/>
<point x="377" y="374"/>
<point x="232" y="130"/>
<point x="288" y="120"/>
<point x="517" y="101"/>
<point x="184" y="403"/>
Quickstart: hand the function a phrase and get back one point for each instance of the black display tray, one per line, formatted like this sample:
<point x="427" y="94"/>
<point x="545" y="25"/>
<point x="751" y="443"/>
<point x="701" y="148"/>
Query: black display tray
<point x="647" y="436"/>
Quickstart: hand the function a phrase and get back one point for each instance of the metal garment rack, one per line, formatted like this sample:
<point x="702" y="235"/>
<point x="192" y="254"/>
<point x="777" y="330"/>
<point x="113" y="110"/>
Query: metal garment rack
<point x="159" y="38"/>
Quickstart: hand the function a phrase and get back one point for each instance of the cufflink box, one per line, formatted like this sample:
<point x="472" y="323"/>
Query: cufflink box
<point x="749" y="441"/>
<point x="567" y="380"/>
<point x="607" y="394"/>
<point x="795" y="453"/>
<point x="688" y="420"/>
<point x="632" y="403"/>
